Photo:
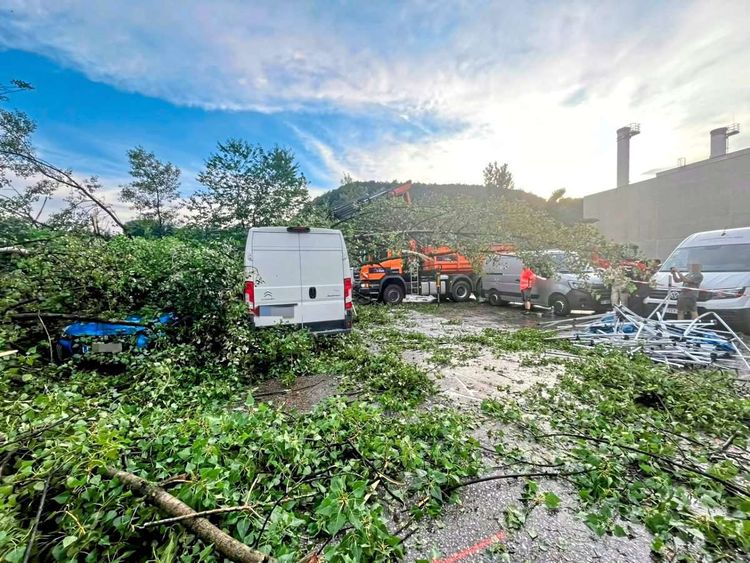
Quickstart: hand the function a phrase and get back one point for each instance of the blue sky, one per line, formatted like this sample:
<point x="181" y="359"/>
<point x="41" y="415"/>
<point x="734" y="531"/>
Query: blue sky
<point x="427" y="90"/>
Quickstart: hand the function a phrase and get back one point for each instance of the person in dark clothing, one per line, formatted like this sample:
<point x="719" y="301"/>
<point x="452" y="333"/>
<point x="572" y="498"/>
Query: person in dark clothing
<point x="642" y="280"/>
<point x="687" y="302"/>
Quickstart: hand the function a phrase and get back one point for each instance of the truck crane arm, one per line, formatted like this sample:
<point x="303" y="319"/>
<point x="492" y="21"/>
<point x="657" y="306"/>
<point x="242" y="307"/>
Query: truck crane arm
<point x="350" y="210"/>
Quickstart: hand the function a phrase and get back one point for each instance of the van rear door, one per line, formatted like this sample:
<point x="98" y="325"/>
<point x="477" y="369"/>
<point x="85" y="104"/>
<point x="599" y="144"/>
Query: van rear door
<point x="322" y="273"/>
<point x="275" y="264"/>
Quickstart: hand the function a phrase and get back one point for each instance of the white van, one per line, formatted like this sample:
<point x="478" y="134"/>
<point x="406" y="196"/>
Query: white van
<point x="298" y="276"/>
<point x="724" y="257"/>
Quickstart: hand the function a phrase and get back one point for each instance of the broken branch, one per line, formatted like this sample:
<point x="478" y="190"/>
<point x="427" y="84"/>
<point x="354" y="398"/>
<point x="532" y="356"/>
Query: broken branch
<point x="35" y="525"/>
<point x="514" y="476"/>
<point x="201" y="527"/>
<point x="737" y="489"/>
<point x="225" y="510"/>
<point x="32" y="433"/>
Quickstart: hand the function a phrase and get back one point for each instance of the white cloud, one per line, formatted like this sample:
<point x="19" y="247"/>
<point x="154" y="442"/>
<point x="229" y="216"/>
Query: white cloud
<point x="541" y="86"/>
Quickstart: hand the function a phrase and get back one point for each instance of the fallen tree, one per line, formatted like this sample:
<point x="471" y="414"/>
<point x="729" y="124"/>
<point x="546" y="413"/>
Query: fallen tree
<point x="201" y="527"/>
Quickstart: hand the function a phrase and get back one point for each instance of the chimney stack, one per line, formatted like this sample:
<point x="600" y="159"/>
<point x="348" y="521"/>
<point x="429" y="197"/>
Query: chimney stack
<point x="719" y="138"/>
<point x="623" y="152"/>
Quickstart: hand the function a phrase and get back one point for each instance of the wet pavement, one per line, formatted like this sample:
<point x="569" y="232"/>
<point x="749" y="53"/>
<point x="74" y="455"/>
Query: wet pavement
<point x="475" y="529"/>
<point x="472" y="316"/>
<point x="302" y="396"/>
<point x="546" y="535"/>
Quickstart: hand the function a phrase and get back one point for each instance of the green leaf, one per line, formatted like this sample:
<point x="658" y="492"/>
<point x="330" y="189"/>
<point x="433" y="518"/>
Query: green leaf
<point x="551" y="500"/>
<point x="336" y="523"/>
<point x="69" y="540"/>
<point x="16" y="554"/>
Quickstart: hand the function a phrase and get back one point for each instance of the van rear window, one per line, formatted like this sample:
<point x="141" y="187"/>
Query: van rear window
<point x="714" y="258"/>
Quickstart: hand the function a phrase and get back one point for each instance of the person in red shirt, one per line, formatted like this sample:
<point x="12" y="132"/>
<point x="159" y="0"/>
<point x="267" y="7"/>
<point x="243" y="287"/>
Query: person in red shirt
<point x="528" y="279"/>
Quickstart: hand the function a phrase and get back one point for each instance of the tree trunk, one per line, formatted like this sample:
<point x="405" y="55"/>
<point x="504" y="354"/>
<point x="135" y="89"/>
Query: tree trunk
<point x="14" y="250"/>
<point x="201" y="527"/>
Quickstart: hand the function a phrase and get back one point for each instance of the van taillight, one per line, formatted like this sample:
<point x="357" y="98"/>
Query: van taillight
<point x="347" y="293"/>
<point x="250" y="296"/>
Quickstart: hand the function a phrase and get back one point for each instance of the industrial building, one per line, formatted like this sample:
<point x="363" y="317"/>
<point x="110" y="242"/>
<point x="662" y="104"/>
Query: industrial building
<point x="658" y="213"/>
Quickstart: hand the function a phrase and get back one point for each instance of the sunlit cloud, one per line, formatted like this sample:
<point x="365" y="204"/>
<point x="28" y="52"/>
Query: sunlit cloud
<point x="430" y="91"/>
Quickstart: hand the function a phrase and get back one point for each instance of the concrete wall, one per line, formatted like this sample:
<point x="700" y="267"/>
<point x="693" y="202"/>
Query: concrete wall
<point x="657" y="214"/>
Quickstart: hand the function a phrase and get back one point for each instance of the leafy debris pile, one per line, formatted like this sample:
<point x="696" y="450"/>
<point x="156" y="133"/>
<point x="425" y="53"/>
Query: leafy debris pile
<point x="641" y="443"/>
<point x="283" y="483"/>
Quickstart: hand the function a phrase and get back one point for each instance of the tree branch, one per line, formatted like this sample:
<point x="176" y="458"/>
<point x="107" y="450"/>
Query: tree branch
<point x="14" y="250"/>
<point x="35" y="526"/>
<point x="56" y="174"/>
<point x="225" y="544"/>
<point x="515" y="476"/>
<point x="225" y="510"/>
<point x="693" y="469"/>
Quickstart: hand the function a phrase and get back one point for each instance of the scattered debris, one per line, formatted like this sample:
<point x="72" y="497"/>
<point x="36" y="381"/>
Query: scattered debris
<point x="706" y="341"/>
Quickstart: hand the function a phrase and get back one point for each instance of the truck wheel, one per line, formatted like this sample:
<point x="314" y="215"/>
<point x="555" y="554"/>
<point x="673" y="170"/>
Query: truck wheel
<point x="393" y="294"/>
<point x="494" y="298"/>
<point x="559" y="304"/>
<point x="460" y="291"/>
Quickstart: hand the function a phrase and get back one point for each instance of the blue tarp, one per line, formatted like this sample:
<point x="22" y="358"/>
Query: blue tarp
<point x="143" y="334"/>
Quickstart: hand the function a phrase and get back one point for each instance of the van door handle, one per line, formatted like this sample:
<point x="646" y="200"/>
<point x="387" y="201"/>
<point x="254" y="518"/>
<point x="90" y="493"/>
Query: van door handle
<point x="313" y="293"/>
<point x="518" y="280"/>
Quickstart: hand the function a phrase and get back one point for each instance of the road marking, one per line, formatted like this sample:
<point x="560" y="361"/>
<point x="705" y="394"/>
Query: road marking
<point x="476" y="548"/>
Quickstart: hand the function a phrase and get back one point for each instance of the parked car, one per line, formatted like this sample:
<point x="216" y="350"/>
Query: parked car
<point x="564" y="290"/>
<point x="100" y="337"/>
<point x="724" y="257"/>
<point x="298" y="276"/>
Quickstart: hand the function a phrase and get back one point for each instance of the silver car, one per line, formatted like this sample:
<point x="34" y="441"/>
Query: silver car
<point x="564" y="291"/>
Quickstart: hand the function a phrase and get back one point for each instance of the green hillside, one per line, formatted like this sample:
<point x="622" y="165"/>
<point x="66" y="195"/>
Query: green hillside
<point x="568" y="210"/>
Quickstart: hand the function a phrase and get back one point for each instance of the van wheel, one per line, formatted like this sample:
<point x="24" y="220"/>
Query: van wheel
<point x="559" y="304"/>
<point x="460" y="291"/>
<point x="393" y="294"/>
<point x="494" y="298"/>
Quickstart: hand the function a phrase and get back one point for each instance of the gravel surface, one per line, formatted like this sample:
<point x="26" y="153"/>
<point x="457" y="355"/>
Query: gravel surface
<point x="475" y="529"/>
<point x="547" y="535"/>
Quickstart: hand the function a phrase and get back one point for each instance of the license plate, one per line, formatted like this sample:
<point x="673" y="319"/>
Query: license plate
<point x="284" y="311"/>
<point x="605" y="302"/>
<point x="672" y="310"/>
<point x="106" y="347"/>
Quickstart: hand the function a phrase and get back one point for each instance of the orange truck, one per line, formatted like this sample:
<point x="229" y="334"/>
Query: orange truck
<point x="420" y="270"/>
<point x="428" y="271"/>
